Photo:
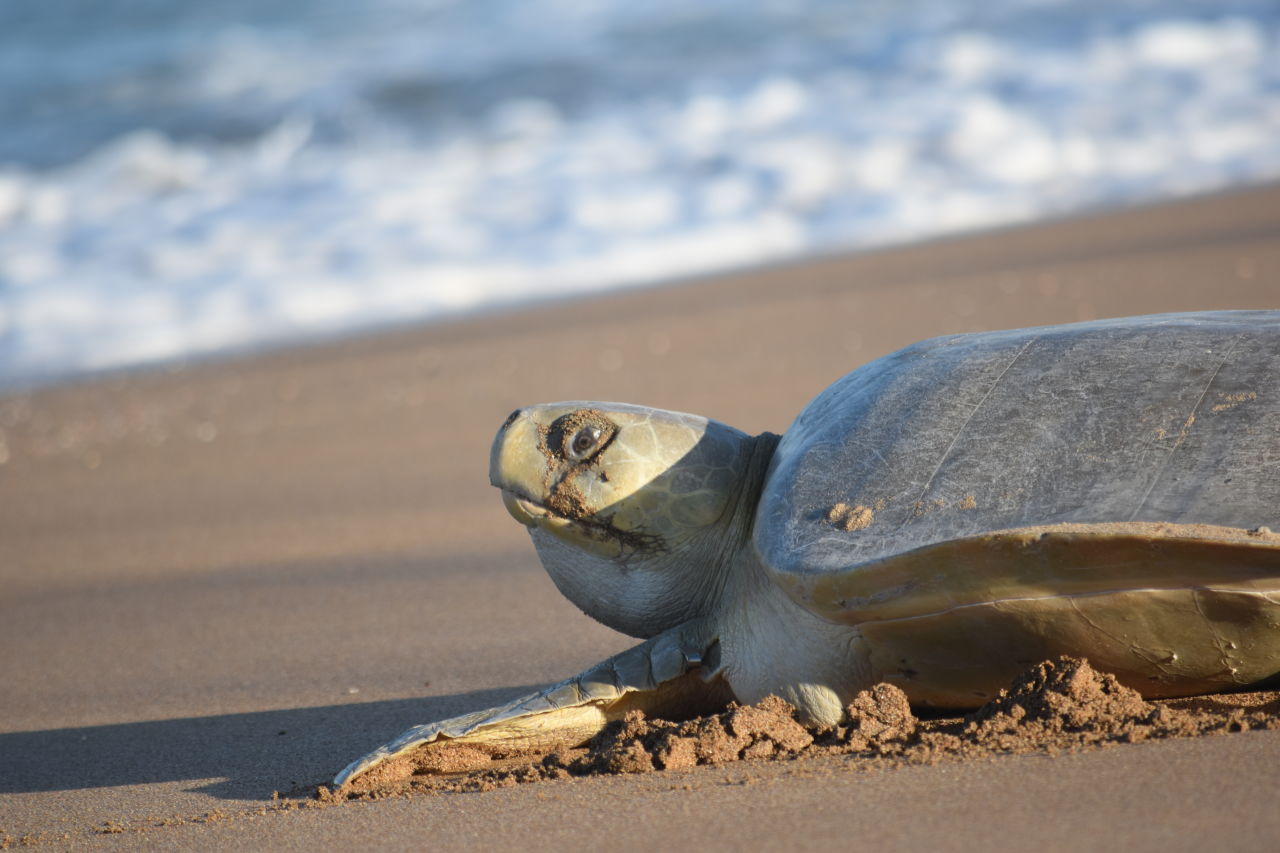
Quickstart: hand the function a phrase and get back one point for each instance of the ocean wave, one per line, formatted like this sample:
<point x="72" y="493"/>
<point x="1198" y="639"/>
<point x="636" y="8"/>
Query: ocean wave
<point x="158" y="244"/>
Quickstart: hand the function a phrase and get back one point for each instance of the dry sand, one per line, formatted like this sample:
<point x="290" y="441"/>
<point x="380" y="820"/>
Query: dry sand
<point x="231" y="579"/>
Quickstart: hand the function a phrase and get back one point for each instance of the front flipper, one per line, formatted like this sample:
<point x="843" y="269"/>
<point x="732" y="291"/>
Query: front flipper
<point x="664" y="675"/>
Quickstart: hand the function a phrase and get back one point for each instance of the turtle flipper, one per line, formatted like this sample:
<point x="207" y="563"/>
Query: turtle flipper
<point x="665" y="674"/>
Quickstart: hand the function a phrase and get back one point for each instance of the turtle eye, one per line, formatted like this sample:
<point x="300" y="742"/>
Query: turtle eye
<point x="583" y="442"/>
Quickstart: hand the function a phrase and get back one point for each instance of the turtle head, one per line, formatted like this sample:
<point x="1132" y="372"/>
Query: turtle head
<point x="632" y="510"/>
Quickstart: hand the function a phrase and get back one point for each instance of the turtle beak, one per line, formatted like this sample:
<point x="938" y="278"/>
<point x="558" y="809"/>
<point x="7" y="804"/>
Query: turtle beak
<point x="518" y="467"/>
<point x="524" y="511"/>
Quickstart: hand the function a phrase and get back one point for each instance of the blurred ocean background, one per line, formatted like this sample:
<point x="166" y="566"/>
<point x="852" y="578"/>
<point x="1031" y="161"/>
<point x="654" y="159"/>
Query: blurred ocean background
<point x="179" y="178"/>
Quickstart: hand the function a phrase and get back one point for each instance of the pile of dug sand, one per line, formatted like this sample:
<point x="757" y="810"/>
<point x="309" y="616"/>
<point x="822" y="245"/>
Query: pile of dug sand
<point x="1055" y="706"/>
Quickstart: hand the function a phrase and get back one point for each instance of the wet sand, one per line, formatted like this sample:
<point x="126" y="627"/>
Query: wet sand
<point x="230" y="579"/>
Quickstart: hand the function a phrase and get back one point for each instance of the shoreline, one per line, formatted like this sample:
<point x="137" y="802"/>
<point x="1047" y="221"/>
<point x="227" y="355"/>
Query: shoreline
<point x="1197" y="209"/>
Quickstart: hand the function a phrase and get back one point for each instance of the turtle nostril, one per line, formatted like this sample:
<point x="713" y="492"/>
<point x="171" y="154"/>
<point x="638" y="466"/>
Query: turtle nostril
<point x="511" y="419"/>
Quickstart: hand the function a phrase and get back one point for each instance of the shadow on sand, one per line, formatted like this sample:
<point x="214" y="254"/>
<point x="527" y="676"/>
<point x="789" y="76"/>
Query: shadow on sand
<point x="247" y="755"/>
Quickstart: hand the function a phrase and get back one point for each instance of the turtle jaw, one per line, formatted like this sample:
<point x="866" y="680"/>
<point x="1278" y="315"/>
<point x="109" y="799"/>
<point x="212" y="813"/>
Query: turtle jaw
<point x="533" y="513"/>
<point x="523" y="510"/>
<point x="597" y="537"/>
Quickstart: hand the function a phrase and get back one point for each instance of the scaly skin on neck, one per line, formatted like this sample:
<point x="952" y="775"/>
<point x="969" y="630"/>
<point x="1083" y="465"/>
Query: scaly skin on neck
<point x="718" y="551"/>
<point x="767" y="644"/>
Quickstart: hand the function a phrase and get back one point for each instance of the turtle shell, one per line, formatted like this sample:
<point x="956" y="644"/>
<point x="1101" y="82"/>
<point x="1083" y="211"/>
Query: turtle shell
<point x="976" y="503"/>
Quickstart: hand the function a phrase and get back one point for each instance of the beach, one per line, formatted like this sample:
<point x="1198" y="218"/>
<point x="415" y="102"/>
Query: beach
<point x="230" y="578"/>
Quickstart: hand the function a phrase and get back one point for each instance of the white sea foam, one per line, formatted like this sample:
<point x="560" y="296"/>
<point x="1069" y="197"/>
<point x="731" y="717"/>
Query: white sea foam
<point x="159" y="244"/>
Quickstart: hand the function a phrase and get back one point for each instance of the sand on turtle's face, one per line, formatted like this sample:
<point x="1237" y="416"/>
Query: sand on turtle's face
<point x="1054" y="706"/>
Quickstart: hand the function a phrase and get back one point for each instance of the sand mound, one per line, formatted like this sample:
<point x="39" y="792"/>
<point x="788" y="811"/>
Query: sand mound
<point x="876" y="721"/>
<point x="1056" y="705"/>
<point x="639" y="745"/>
<point x="1068" y="695"/>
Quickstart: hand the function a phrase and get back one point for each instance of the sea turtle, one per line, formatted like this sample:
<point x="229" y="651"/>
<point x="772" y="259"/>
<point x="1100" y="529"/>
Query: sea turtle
<point x="940" y="519"/>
